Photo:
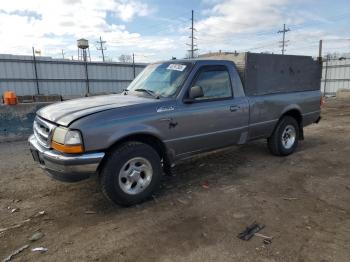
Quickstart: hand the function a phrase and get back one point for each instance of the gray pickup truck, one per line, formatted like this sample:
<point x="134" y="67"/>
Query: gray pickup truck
<point x="173" y="110"/>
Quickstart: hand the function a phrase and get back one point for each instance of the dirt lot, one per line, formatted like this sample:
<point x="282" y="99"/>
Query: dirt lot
<point x="303" y="199"/>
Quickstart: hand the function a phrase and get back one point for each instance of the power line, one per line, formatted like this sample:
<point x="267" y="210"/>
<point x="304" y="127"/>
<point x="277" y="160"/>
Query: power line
<point x="304" y="46"/>
<point x="177" y="20"/>
<point x="284" y="31"/>
<point x="297" y="27"/>
<point x="169" y="28"/>
<point x="158" y="28"/>
<point x="317" y="22"/>
<point x="267" y="44"/>
<point x="101" y="48"/>
<point x="338" y="39"/>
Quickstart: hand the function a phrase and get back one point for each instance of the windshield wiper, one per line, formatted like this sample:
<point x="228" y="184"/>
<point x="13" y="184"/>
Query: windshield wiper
<point x="150" y="92"/>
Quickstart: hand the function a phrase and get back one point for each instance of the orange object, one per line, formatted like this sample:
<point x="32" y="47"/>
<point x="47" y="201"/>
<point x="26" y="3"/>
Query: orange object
<point x="322" y="101"/>
<point x="67" y="149"/>
<point x="10" y="98"/>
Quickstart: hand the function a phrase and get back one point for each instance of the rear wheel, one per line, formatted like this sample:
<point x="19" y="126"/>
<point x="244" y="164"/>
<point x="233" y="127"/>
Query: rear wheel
<point x="131" y="173"/>
<point x="284" y="139"/>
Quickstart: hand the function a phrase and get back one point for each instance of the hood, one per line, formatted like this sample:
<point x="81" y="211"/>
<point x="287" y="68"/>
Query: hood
<point x="64" y="113"/>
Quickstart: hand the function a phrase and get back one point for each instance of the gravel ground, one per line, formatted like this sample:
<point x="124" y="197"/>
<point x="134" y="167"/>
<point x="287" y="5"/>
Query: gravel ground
<point x="303" y="199"/>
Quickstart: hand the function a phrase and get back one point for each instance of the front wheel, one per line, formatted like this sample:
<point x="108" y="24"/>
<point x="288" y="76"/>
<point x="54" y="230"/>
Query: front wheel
<point x="131" y="174"/>
<point x="285" y="137"/>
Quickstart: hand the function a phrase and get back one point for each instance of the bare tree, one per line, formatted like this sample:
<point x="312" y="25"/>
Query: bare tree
<point x="188" y="54"/>
<point x="125" y="58"/>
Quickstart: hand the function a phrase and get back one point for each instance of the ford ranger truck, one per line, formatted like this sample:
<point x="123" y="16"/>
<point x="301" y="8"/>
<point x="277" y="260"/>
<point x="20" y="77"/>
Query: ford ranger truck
<point x="173" y="110"/>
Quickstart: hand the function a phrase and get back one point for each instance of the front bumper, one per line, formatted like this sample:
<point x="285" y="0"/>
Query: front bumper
<point x="65" y="167"/>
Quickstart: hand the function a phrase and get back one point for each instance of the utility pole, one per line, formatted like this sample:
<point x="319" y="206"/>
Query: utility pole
<point x="192" y="37"/>
<point x="320" y="51"/>
<point x="36" y="72"/>
<point x="284" y="31"/>
<point x="62" y="54"/>
<point x="101" y="47"/>
<point x="326" y="75"/>
<point x="133" y="65"/>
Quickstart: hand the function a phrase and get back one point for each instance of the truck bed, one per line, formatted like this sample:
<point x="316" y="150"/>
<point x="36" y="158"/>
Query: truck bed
<point x="263" y="74"/>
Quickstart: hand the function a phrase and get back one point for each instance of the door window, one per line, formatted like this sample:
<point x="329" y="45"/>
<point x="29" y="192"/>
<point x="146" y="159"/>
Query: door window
<point x="215" y="83"/>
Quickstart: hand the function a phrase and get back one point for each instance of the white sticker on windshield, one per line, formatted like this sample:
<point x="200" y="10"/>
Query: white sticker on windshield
<point x="176" y="67"/>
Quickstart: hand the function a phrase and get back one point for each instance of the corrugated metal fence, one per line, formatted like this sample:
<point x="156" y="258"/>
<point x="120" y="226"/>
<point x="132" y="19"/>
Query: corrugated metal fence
<point x="63" y="77"/>
<point x="335" y="75"/>
<point x="75" y="78"/>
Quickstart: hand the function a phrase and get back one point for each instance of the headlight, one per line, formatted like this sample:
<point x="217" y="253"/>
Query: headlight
<point x="67" y="141"/>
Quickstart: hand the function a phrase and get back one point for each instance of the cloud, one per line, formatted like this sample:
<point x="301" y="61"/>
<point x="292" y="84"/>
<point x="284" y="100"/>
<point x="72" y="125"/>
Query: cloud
<point x="48" y="26"/>
<point x="232" y="17"/>
<point x="236" y="15"/>
<point x="126" y="11"/>
<point x="223" y="24"/>
<point x="245" y="25"/>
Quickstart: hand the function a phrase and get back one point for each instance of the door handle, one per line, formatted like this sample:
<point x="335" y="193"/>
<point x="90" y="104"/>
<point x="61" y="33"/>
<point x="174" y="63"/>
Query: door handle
<point x="234" y="108"/>
<point x="166" y="119"/>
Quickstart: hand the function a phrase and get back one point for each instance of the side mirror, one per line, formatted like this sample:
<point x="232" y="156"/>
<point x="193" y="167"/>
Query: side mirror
<point x="194" y="92"/>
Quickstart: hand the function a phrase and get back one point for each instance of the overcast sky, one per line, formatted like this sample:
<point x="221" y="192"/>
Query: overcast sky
<point x="158" y="29"/>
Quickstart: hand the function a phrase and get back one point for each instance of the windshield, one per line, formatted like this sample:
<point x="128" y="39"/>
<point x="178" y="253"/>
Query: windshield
<point x="161" y="79"/>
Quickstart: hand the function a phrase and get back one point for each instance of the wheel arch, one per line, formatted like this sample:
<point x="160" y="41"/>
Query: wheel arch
<point x="150" y="139"/>
<point x="294" y="112"/>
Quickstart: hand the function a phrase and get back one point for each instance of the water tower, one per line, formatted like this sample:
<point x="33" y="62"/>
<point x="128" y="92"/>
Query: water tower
<point x="83" y="50"/>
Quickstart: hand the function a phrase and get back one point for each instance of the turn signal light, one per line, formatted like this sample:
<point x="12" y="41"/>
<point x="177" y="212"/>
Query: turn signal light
<point x="69" y="149"/>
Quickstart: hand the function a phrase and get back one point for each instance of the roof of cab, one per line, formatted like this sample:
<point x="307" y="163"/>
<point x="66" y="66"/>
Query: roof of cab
<point x="193" y="60"/>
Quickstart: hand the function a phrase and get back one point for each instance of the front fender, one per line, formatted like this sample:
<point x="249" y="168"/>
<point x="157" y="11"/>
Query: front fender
<point x="141" y="129"/>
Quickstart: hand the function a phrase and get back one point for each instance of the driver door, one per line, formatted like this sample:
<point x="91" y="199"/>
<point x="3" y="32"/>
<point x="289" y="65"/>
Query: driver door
<point x="213" y="121"/>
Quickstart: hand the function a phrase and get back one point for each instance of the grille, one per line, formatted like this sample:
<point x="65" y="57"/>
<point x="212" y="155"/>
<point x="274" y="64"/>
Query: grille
<point x="43" y="131"/>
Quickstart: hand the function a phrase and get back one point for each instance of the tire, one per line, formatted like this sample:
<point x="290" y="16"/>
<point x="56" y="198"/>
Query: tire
<point x="281" y="142"/>
<point x="131" y="163"/>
